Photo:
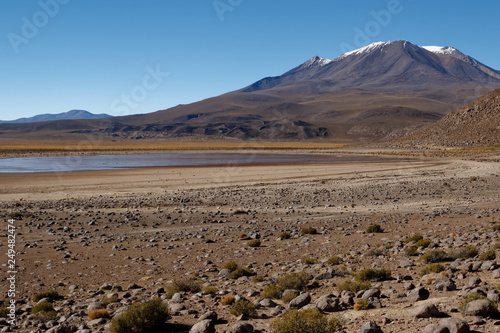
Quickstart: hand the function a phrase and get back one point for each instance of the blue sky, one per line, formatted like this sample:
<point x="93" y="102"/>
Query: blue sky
<point x="130" y="56"/>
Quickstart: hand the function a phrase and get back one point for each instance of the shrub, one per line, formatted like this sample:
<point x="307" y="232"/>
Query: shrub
<point x="228" y="299"/>
<point x="231" y="265"/>
<point x="240" y="271"/>
<point x="496" y="227"/>
<point x="488" y="255"/>
<point x="414" y="238"/>
<point x="254" y="243"/>
<point x="257" y="278"/>
<point x="289" y="295"/>
<point x="497" y="246"/>
<point x="411" y="251"/>
<point x="370" y="274"/>
<point x="186" y="285"/>
<point x="354" y="286"/>
<point x="433" y="268"/>
<point x="44" y="309"/>
<point x="361" y="304"/>
<point x="240" y="211"/>
<point x="3" y="310"/>
<point x="423" y="243"/>
<point x="285" y="235"/>
<point x="296" y="281"/>
<point x="309" y="231"/>
<point x="434" y="256"/>
<point x="308" y="260"/>
<point x="142" y="318"/>
<point x="97" y="314"/>
<point x="243" y="307"/>
<point x="374" y="229"/>
<point x="271" y="291"/>
<point x="335" y="260"/>
<point x="464" y="253"/>
<point x="210" y="290"/>
<point x="305" y="321"/>
<point x="53" y="295"/>
<point x="376" y="252"/>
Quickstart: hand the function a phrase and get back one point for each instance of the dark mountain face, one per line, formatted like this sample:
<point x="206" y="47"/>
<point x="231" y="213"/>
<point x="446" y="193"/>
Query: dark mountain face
<point x="381" y="91"/>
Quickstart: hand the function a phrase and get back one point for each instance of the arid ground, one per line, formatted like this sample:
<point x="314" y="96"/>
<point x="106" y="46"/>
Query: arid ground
<point x="90" y="235"/>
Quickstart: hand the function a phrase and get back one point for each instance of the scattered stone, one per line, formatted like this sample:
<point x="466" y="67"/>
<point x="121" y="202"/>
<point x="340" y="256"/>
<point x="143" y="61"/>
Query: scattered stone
<point x="425" y="310"/>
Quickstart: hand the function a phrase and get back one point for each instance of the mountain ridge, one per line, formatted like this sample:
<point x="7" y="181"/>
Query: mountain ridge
<point x="69" y="115"/>
<point x="379" y="92"/>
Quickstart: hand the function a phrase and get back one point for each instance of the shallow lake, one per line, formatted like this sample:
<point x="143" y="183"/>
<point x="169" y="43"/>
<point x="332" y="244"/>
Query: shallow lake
<point x="109" y="162"/>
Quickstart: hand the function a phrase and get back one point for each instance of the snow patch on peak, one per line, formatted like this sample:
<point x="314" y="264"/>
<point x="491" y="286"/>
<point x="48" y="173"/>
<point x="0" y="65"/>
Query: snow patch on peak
<point x="367" y="48"/>
<point x="440" y="49"/>
<point x="317" y="61"/>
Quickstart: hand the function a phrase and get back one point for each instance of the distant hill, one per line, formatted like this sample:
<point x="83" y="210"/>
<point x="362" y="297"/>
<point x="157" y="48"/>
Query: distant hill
<point x="73" y="114"/>
<point x="474" y="124"/>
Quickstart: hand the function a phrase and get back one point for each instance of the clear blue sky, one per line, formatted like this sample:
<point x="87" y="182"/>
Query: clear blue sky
<point x="89" y="54"/>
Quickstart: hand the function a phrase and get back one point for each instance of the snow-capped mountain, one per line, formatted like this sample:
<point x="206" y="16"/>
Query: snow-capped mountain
<point x="383" y="90"/>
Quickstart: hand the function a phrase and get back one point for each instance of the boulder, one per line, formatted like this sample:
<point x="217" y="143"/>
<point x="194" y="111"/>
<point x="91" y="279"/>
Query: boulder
<point x="480" y="307"/>
<point x="370" y="327"/>
<point x="426" y="310"/>
<point x="418" y="294"/>
<point x="300" y="301"/>
<point x="436" y="328"/>
<point x="455" y="325"/>
<point x="204" y="326"/>
<point x="242" y="328"/>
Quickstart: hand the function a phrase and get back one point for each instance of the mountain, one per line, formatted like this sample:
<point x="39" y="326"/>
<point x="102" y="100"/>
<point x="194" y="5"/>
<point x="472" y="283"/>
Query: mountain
<point x="382" y="91"/>
<point x="474" y="124"/>
<point x="73" y="114"/>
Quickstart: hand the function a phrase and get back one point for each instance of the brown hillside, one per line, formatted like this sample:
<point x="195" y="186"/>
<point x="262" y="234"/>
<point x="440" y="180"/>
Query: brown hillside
<point x="477" y="123"/>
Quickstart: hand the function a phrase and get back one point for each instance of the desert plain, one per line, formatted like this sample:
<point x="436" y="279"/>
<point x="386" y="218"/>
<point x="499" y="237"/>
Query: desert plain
<point x="107" y="239"/>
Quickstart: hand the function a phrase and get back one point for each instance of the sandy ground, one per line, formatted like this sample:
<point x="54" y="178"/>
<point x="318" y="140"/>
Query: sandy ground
<point x="150" y="226"/>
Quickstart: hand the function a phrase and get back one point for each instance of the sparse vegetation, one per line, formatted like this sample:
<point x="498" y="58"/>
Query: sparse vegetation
<point x="433" y="256"/>
<point x="285" y="235"/>
<point x="413" y="238"/>
<point x="488" y="255"/>
<point x="469" y="251"/>
<point x="306" y="321"/>
<point x="3" y="310"/>
<point x="109" y="300"/>
<point x="309" y="231"/>
<point x="288" y="296"/>
<point x="97" y="314"/>
<point x="433" y="268"/>
<point x="45" y="309"/>
<point x="308" y="260"/>
<point x="227" y="300"/>
<point x="271" y="291"/>
<point x="374" y="229"/>
<point x="496" y="227"/>
<point x="469" y="298"/>
<point x="241" y="271"/>
<point x="210" y="290"/>
<point x="370" y="274"/>
<point x="243" y="307"/>
<point x="231" y="265"/>
<point x="354" y="286"/>
<point x="52" y="295"/>
<point x="361" y="304"/>
<point x="254" y="243"/>
<point x="335" y="260"/>
<point x="187" y="285"/>
<point x="142" y="318"/>
<point x="297" y="281"/>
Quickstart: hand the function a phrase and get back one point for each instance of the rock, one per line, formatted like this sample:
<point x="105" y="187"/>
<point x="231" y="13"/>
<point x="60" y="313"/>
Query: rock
<point x="225" y="272"/>
<point x="493" y="295"/>
<point x="436" y="328"/>
<point x="323" y="276"/>
<point x="496" y="274"/>
<point x="267" y="303"/>
<point x="425" y="310"/>
<point x="371" y="293"/>
<point x="474" y="282"/>
<point x="95" y="306"/>
<point x="300" y="301"/>
<point x="60" y="329"/>
<point x="242" y="328"/>
<point x="444" y="283"/>
<point x="327" y="304"/>
<point x="455" y="325"/>
<point x="209" y="315"/>
<point x="370" y="327"/>
<point x="480" y="307"/>
<point x="418" y="294"/>
<point x="277" y="310"/>
<point x="96" y="322"/>
<point x="204" y="326"/>
<point x="176" y="308"/>
<point x="177" y="298"/>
